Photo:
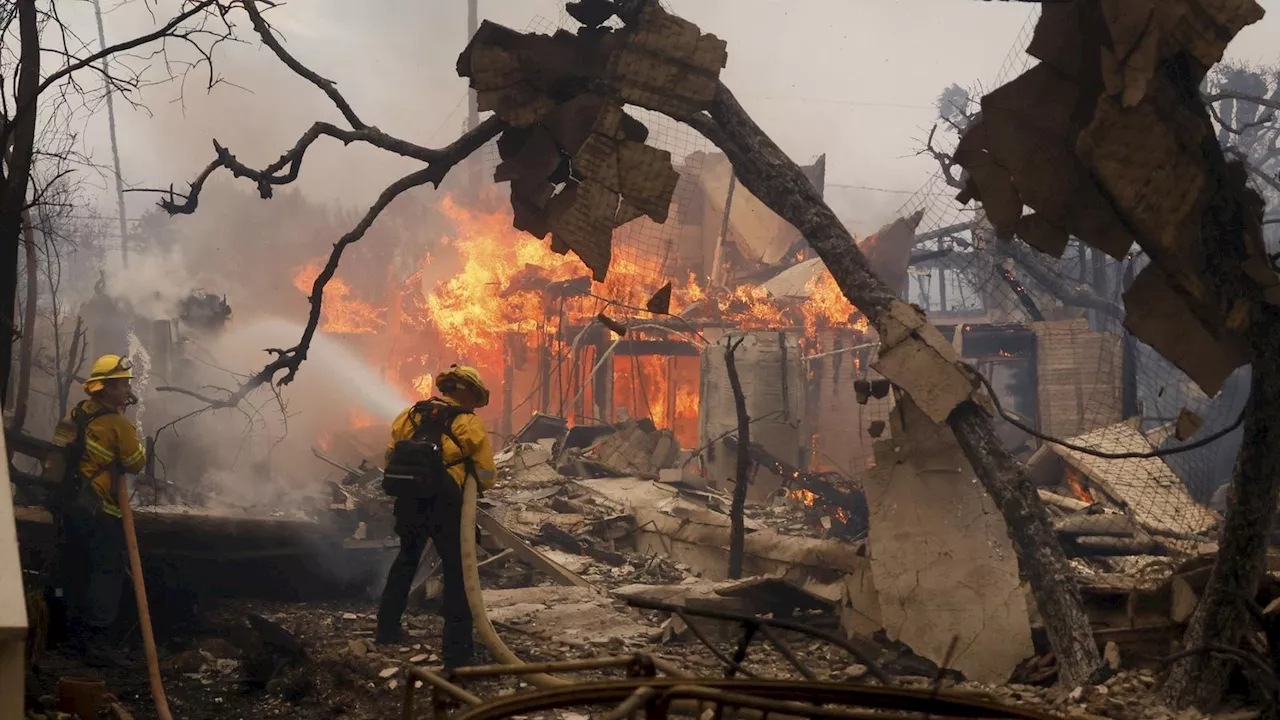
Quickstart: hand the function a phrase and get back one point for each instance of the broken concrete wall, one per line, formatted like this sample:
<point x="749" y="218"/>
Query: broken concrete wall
<point x="635" y="450"/>
<point x="771" y="372"/>
<point x="940" y="552"/>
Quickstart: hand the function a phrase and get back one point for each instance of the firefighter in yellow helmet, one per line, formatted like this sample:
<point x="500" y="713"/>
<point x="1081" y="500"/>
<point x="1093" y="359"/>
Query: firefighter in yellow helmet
<point x="434" y="446"/>
<point x="99" y="446"/>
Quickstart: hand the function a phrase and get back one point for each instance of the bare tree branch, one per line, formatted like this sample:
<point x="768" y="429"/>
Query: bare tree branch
<point x="285" y="170"/>
<point x="289" y="360"/>
<point x="1266" y="177"/>
<point x="1211" y="98"/>
<point x="1077" y="295"/>
<point x="327" y="86"/>
<point x="27" y="102"/>
<point x="944" y="161"/>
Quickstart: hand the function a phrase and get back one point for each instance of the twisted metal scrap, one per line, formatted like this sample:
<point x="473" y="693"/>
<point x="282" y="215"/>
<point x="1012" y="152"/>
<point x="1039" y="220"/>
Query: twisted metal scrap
<point x="794" y="698"/>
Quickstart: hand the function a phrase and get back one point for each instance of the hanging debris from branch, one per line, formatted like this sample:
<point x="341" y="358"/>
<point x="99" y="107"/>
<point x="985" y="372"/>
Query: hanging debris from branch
<point x="577" y="162"/>
<point x="1100" y="147"/>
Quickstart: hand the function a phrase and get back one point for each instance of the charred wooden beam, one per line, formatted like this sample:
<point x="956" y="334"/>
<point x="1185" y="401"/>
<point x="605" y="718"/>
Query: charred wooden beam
<point x="1099" y="524"/>
<point x="853" y="503"/>
<point x="1097" y="545"/>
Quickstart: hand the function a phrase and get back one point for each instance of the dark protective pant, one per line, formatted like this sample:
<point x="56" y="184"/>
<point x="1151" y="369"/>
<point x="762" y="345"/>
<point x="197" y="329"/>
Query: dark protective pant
<point x="93" y="570"/>
<point x="435" y="518"/>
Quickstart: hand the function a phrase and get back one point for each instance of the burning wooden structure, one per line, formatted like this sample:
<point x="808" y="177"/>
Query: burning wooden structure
<point x="552" y="341"/>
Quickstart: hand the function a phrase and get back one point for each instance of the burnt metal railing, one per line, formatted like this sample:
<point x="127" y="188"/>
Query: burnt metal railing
<point x="644" y="693"/>
<point x="661" y="697"/>
<point x="767" y="627"/>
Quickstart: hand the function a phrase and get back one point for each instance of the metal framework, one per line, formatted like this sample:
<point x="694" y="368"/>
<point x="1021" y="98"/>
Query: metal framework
<point x="643" y="692"/>
<point x="660" y="697"/>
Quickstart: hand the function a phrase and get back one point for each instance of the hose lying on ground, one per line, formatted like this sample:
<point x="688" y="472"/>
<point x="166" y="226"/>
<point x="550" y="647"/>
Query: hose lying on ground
<point x="475" y="600"/>
<point x="475" y="597"/>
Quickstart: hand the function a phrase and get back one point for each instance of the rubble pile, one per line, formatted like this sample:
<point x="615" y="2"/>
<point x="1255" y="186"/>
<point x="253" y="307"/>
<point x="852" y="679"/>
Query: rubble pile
<point x="326" y="665"/>
<point x="590" y="526"/>
<point x="621" y="512"/>
<point x="1120" y="516"/>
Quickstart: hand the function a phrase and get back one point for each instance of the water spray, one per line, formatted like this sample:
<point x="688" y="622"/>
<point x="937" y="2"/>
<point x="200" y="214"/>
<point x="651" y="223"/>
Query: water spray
<point x="141" y="360"/>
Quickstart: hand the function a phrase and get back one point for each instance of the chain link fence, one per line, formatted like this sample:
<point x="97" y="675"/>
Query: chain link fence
<point x="1099" y="390"/>
<point x="1048" y="334"/>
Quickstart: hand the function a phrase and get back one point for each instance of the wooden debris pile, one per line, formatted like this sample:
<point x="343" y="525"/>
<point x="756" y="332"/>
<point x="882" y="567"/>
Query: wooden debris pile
<point x="1118" y="514"/>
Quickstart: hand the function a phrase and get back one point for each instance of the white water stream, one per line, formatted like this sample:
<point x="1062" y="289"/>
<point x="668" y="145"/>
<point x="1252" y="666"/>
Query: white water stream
<point x="330" y="362"/>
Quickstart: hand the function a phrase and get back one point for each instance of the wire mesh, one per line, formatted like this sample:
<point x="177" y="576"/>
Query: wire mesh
<point x="1085" y="380"/>
<point x="642" y="248"/>
<point x="1096" y="385"/>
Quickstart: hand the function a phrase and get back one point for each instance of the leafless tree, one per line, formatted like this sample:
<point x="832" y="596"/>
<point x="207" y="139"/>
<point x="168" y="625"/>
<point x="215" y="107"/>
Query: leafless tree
<point x="55" y="72"/>
<point x="62" y="360"/>
<point x="772" y="177"/>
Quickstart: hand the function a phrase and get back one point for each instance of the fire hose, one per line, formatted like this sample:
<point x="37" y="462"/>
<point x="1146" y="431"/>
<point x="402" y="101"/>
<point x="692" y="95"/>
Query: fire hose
<point x="144" y="614"/>
<point x="475" y="601"/>
<point x="475" y="597"/>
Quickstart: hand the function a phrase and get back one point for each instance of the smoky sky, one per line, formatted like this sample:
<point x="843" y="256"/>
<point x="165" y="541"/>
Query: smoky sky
<point x="855" y="79"/>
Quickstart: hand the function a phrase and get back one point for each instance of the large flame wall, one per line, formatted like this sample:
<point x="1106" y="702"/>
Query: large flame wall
<point x="481" y="293"/>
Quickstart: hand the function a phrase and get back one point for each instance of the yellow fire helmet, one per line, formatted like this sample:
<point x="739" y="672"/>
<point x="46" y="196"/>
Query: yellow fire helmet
<point x="466" y="376"/>
<point x="108" y="367"/>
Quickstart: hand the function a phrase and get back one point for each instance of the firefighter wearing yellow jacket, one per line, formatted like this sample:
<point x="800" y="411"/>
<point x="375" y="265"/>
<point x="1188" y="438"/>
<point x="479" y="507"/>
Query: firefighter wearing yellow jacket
<point x="100" y="445"/>
<point x="434" y="446"/>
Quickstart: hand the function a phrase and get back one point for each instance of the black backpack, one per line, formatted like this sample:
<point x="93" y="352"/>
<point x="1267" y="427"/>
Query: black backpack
<point x="417" y="464"/>
<point x="63" y="466"/>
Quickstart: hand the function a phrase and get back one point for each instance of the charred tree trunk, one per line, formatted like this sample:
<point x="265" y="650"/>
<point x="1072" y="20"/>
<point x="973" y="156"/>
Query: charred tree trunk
<point x="737" y="521"/>
<point x="13" y="186"/>
<point x="27" y="344"/>
<point x="1221" y="618"/>
<point x="778" y="182"/>
<point x="66" y="374"/>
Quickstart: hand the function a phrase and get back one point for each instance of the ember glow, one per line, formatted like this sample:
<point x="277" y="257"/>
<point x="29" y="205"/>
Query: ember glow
<point x="805" y="496"/>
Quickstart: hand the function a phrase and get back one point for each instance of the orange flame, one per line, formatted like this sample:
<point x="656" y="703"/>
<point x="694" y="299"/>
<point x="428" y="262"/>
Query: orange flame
<point x="341" y="312"/>
<point x="1077" y="485"/>
<point x="497" y="305"/>
<point x="805" y="496"/>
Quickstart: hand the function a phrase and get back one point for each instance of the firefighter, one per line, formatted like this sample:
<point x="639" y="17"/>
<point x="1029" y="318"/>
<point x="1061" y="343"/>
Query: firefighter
<point x="100" y="445"/>
<point x="435" y="445"/>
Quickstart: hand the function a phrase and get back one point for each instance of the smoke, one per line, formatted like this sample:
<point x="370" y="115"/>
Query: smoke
<point x="152" y="284"/>
<point x="261" y="454"/>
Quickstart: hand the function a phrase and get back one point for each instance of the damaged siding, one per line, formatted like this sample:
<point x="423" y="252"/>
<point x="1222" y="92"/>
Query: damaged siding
<point x="1080" y="376"/>
<point x="770" y="369"/>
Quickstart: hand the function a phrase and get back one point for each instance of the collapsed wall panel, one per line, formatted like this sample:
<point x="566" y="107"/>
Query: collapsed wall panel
<point x="771" y="372"/>
<point x="838" y="425"/>
<point x="941" y="555"/>
<point x="1081" y="377"/>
